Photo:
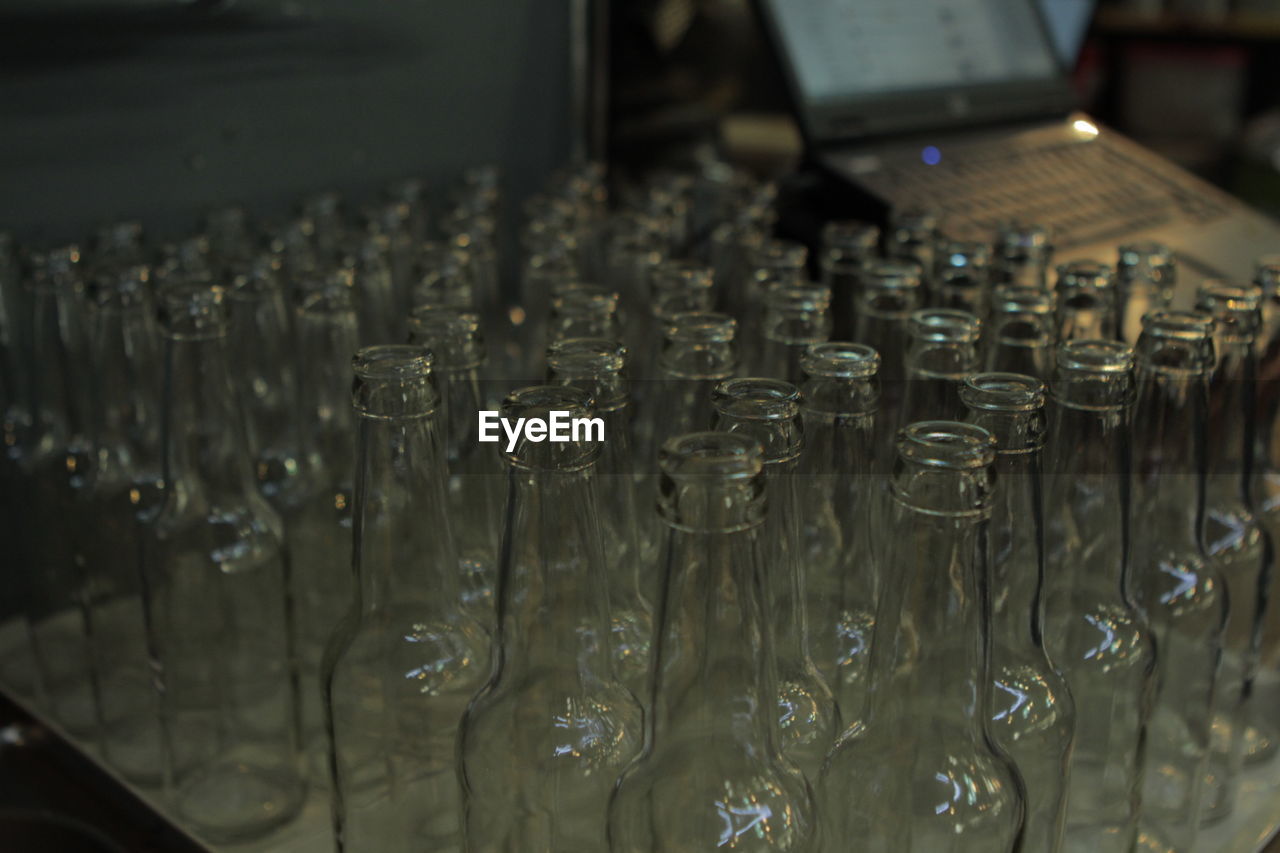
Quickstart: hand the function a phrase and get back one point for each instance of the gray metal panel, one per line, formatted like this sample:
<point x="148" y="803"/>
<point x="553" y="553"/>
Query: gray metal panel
<point x="156" y="110"/>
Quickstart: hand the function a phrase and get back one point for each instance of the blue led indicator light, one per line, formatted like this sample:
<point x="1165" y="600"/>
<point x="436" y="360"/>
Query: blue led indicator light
<point x="931" y="155"/>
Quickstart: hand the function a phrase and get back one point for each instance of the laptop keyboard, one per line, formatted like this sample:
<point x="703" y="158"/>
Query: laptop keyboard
<point x="1086" y="192"/>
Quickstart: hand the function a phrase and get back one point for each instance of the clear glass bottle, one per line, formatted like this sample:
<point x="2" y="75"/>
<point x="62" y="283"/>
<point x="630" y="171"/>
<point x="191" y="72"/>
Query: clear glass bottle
<point x="700" y="351"/>
<point x="768" y="410"/>
<point x="846" y="246"/>
<point x="1176" y="584"/>
<point x="1086" y="301"/>
<point x="214" y="574"/>
<point x="125" y="491"/>
<point x="443" y="277"/>
<point x="1146" y="277"/>
<point x="405" y="660"/>
<point x="774" y="262"/>
<point x="367" y="257"/>
<point x="476" y="480"/>
<point x="677" y="287"/>
<point x="57" y="468"/>
<point x="1098" y="639"/>
<point x="712" y="774"/>
<point x="913" y="235"/>
<point x="922" y="772"/>
<point x="943" y="351"/>
<point x="795" y="318"/>
<point x="544" y="740"/>
<point x="962" y="279"/>
<point x="1233" y="535"/>
<point x="1032" y="713"/>
<point x="889" y="292"/>
<point x="584" y="311"/>
<point x="1266" y="469"/>
<point x="1020" y="332"/>
<point x="1023" y="252"/>
<point x="598" y="366"/>
<point x="839" y="402"/>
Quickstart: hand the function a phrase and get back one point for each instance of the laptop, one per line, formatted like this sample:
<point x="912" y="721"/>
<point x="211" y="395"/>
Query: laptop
<point x="963" y="107"/>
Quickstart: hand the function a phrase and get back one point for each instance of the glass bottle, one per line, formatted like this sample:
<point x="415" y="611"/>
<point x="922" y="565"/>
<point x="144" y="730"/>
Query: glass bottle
<point x="367" y="258"/>
<point x="913" y="236"/>
<point x="1233" y="536"/>
<point x="475" y="469"/>
<point x="542" y="743"/>
<point x="584" y="311"/>
<point x="943" y="351"/>
<point x="962" y="279"/>
<point x="677" y="287"/>
<point x="769" y="411"/>
<point x="1023" y="252"/>
<point x="1032" y="713"/>
<point x="57" y="468"/>
<point x="699" y="352"/>
<point x="1020" y="332"/>
<point x="125" y="491"/>
<point x="795" y="318"/>
<point x="711" y="774"/>
<point x="846" y="246"/>
<point x="214" y="575"/>
<point x="839" y="402"/>
<point x="1175" y="583"/>
<point x="597" y="366"/>
<point x="1098" y="639"/>
<point x="405" y="659"/>
<point x="442" y="277"/>
<point x="922" y="772"/>
<point x="889" y="292"/>
<point x="1146" y="277"/>
<point x="1266" y="469"/>
<point x="1086" y="301"/>
<point x="774" y="262"/>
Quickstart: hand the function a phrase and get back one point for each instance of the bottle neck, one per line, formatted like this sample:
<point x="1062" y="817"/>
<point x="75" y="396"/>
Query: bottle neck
<point x="326" y="340"/>
<point x="404" y="551"/>
<point x="1016" y="548"/>
<point x="784" y="585"/>
<point x="552" y="610"/>
<point x="713" y="659"/>
<point x="930" y="647"/>
<point x="1231" y="417"/>
<point x="1169" y="437"/>
<point x="127" y="411"/>
<point x="57" y="410"/>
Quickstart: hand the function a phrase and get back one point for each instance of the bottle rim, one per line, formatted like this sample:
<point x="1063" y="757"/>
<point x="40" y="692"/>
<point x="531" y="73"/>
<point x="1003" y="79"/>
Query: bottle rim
<point x="711" y="455"/>
<point x="1095" y="356"/>
<point x="701" y="327"/>
<point x="754" y="398"/>
<point x="953" y="445"/>
<point x="1003" y="392"/>
<point x="840" y="360"/>
<point x="945" y="325"/>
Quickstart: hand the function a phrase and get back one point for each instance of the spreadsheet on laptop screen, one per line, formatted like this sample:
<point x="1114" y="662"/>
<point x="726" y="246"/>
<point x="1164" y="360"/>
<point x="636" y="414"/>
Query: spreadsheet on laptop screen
<point x="846" y="49"/>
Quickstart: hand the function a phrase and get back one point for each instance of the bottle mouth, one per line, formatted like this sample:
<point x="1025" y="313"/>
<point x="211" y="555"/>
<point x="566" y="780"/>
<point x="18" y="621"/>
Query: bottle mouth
<point x="711" y="455"/>
<point x="756" y="399"/>
<point x="260" y="280"/>
<point x="964" y="255"/>
<point x="587" y="358"/>
<point x="452" y="335"/>
<point x="889" y="275"/>
<point x="1145" y="254"/>
<point x="781" y="254"/>
<point x="1235" y="309"/>
<point x="680" y="276"/>
<point x="945" y="325"/>
<point x="1021" y="300"/>
<point x="1076" y="275"/>
<point x="946" y="444"/>
<point x="545" y="403"/>
<point x="799" y="298"/>
<point x="705" y="327"/>
<point x="1095" y="356"/>
<point x="1003" y="392"/>
<point x="333" y="294"/>
<point x="1176" y="342"/>
<point x="584" y="300"/>
<point x="840" y="360"/>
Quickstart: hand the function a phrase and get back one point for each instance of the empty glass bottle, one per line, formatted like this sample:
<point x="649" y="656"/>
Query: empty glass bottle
<point x="442" y="277"/>
<point x="913" y="235"/>
<point x="839" y="402"/>
<point x="846" y="246"/>
<point x="774" y="262"/>
<point x="769" y="411"/>
<point x="475" y="470"/>
<point x="699" y="352"/>
<point x="942" y="352"/>
<point x="1086" y="301"/>
<point x="544" y="740"/>
<point x="889" y="292"/>
<point x="1020" y="332"/>
<point x="1032" y="713"/>
<point x="1097" y="638"/>
<point x="214" y="572"/>
<point x="597" y="366"/>
<point x="1175" y="583"/>
<point x="584" y="311"/>
<point x="712" y="774"/>
<point x="922" y="772"/>
<point x="406" y="659"/>
<point x="676" y="287"/>
<point x="1233" y="536"/>
<point x="962" y="279"/>
<point x="124" y="492"/>
<point x="1022" y="255"/>
<point x="795" y="318"/>
<point x="1146" y="276"/>
<point x="367" y="258"/>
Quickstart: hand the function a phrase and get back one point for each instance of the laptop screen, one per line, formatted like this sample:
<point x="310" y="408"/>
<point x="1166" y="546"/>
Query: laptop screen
<point x="877" y="61"/>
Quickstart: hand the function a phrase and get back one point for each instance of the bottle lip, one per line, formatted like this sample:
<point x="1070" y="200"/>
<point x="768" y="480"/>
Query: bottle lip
<point x="964" y="255"/>
<point x="680" y="274"/>
<point x="539" y="402"/>
<point x="840" y="360"/>
<point x="711" y="456"/>
<point x="1003" y="392"/>
<point x="781" y="254"/>
<point x="1095" y="356"/>
<point x="1190" y="326"/>
<point x="952" y="445"/>
<point x="1085" y="273"/>
<point x="1014" y="299"/>
<point x="701" y="327"/>
<point x="193" y="311"/>
<point x="584" y="300"/>
<point x="1144" y="252"/>
<point x="756" y="399"/>
<point x="944" y="325"/>
<point x="889" y="274"/>
<point x="1235" y="309"/>
<point x="453" y="334"/>
<point x="393" y="362"/>
<point x="587" y="357"/>
<point x="804" y="297"/>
